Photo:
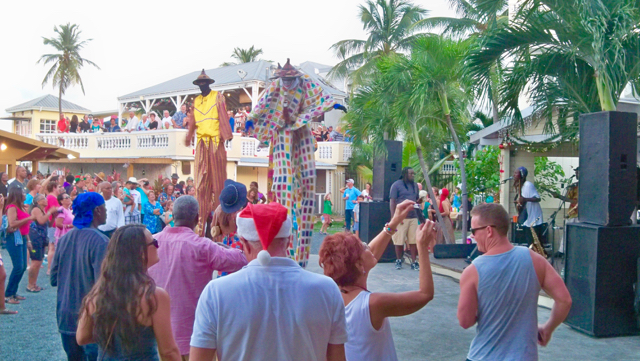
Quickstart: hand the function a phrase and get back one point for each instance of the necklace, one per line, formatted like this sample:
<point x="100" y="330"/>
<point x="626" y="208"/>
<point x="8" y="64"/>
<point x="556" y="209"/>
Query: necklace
<point x="346" y="291"/>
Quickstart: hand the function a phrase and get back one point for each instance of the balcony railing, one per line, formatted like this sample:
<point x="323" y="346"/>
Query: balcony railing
<point x="161" y="143"/>
<point x="170" y="144"/>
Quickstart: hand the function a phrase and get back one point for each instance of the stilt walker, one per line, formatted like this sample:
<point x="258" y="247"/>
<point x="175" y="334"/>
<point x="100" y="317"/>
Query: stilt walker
<point x="282" y="118"/>
<point x="209" y="121"/>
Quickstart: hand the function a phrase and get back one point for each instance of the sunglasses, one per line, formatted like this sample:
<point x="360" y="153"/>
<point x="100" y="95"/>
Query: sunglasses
<point x="66" y="197"/>
<point x="473" y="230"/>
<point x="154" y="243"/>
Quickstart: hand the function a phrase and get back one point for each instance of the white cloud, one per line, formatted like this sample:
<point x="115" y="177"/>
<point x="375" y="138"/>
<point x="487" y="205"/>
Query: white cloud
<point x="141" y="43"/>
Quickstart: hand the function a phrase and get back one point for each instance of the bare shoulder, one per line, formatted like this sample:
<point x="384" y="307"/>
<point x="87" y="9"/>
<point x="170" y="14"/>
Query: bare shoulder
<point x="161" y="294"/>
<point x="469" y="274"/>
<point x="539" y="262"/>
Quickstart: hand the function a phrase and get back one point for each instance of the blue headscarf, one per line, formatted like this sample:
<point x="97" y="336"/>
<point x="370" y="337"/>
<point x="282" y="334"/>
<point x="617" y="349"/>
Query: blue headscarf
<point x="83" y="207"/>
<point x="523" y="172"/>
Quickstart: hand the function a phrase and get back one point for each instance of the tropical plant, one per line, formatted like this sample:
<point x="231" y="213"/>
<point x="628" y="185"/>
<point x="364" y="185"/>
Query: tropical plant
<point x="438" y="88"/>
<point x="244" y="56"/>
<point x="483" y="171"/>
<point x="389" y="24"/>
<point x="67" y="63"/>
<point x="548" y="175"/>
<point x="571" y="57"/>
<point x="475" y="20"/>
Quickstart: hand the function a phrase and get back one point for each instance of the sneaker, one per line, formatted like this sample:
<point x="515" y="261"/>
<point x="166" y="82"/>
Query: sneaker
<point x="398" y="264"/>
<point x="415" y="266"/>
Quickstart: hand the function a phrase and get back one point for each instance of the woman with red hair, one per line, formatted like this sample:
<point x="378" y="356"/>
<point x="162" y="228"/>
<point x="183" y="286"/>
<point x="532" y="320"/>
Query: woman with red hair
<point x="348" y="261"/>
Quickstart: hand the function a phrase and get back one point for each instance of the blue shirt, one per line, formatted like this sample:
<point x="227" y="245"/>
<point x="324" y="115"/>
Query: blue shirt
<point x="248" y="125"/>
<point x="151" y="220"/>
<point x="353" y="194"/>
<point x="144" y="200"/>
<point x="232" y="122"/>
<point x="75" y="269"/>
<point x="178" y="117"/>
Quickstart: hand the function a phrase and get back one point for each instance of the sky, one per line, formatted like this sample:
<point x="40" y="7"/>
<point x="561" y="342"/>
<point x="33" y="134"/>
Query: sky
<point x="138" y="44"/>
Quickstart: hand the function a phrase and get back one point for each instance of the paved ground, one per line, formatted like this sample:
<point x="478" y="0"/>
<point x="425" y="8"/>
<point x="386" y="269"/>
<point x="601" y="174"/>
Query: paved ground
<point x="430" y="334"/>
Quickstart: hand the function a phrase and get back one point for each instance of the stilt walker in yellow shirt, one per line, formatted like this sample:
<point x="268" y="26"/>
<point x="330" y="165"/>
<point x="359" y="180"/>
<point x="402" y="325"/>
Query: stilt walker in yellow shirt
<point x="209" y="121"/>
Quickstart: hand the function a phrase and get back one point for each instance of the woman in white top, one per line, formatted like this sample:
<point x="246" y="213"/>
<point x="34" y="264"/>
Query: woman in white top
<point x="348" y="261"/>
<point x="366" y="193"/>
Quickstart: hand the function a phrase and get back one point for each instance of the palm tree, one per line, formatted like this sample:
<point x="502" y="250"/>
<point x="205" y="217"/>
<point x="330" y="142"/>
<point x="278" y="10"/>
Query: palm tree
<point x="244" y="56"/>
<point x="571" y="57"/>
<point x="476" y="19"/>
<point x="438" y="88"/>
<point x="67" y="63"/>
<point x="389" y="24"/>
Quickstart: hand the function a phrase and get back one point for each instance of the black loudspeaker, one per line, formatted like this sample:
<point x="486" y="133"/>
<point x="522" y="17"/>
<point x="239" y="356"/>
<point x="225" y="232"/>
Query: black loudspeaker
<point x="608" y="153"/>
<point x="600" y="275"/>
<point x="373" y="216"/>
<point x="386" y="170"/>
<point x="453" y="250"/>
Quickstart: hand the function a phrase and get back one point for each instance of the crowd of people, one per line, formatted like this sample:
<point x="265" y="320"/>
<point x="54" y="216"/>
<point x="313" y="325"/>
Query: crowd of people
<point x="150" y="121"/>
<point x="128" y="288"/>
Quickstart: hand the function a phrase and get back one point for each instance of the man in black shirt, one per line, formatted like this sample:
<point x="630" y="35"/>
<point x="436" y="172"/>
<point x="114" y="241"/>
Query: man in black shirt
<point x="84" y="126"/>
<point x="405" y="189"/>
<point x="20" y="181"/>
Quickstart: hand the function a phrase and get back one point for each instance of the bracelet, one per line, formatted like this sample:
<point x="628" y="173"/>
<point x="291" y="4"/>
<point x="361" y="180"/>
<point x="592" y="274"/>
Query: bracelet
<point x="388" y="230"/>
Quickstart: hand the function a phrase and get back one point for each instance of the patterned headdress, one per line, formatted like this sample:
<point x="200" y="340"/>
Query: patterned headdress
<point x="287" y="71"/>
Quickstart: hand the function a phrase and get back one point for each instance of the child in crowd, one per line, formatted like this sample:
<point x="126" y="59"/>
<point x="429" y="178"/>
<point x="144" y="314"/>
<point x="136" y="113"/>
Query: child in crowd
<point x="326" y="214"/>
<point x="356" y="216"/>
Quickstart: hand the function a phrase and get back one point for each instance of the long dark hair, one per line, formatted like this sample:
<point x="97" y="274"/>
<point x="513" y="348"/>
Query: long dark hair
<point x="15" y="197"/>
<point x="122" y="285"/>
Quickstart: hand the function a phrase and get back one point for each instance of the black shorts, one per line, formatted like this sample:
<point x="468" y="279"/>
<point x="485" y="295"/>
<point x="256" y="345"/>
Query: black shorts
<point x="37" y="249"/>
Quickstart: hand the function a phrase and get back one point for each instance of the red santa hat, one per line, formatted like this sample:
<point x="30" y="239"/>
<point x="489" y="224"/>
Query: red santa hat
<point x="263" y="223"/>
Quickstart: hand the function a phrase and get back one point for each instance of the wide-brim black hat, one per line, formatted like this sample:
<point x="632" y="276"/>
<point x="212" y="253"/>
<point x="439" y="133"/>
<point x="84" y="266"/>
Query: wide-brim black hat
<point x="203" y="78"/>
<point x="233" y="196"/>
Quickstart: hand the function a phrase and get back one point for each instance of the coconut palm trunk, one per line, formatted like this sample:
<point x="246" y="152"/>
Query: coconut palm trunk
<point x="425" y="172"/>
<point x="463" y="174"/>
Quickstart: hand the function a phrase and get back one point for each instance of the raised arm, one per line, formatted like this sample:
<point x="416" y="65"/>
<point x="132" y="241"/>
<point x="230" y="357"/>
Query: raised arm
<point x="379" y="244"/>
<point x="384" y="305"/>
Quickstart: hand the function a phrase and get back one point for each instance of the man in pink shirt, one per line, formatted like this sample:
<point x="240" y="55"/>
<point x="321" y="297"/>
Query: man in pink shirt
<point x="186" y="266"/>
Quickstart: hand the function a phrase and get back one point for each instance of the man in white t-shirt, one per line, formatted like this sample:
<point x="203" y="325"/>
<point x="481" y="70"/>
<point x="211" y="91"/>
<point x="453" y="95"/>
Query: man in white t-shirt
<point x="529" y="197"/>
<point x="272" y="309"/>
<point x="166" y="121"/>
<point x="132" y="202"/>
<point x="132" y="124"/>
<point x="115" y="216"/>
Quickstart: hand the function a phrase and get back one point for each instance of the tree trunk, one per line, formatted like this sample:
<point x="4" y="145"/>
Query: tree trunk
<point x="463" y="180"/>
<point x="463" y="175"/>
<point x="425" y="172"/>
<point x="59" y="101"/>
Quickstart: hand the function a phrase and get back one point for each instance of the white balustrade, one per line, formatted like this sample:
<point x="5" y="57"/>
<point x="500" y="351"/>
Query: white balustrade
<point x="69" y="141"/>
<point x="249" y="147"/>
<point x="325" y="151"/>
<point x="346" y="152"/>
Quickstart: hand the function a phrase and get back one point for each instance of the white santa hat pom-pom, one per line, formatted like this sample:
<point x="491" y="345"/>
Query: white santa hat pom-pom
<point x="264" y="257"/>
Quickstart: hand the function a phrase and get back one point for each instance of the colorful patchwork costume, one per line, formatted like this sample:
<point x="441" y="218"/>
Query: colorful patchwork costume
<point x="282" y="118"/>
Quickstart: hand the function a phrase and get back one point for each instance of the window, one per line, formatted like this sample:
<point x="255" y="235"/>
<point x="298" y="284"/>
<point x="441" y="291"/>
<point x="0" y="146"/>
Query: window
<point x="47" y="126"/>
<point x="23" y="128"/>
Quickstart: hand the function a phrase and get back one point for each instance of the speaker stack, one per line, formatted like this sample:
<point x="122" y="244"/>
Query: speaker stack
<point x="373" y="215"/>
<point x="603" y="248"/>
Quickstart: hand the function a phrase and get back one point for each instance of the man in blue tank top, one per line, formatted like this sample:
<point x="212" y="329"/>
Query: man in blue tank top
<point x="500" y="291"/>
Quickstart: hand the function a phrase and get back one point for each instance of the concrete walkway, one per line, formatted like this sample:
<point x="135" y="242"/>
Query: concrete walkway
<point x="430" y="334"/>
